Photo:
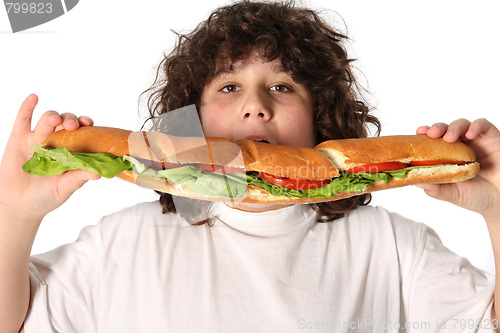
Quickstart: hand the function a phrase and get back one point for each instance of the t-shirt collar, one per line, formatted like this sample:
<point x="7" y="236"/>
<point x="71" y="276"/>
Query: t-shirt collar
<point x="263" y="224"/>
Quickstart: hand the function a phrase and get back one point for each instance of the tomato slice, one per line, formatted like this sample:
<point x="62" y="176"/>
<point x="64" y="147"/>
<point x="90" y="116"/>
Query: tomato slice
<point x="378" y="167"/>
<point x="435" y="162"/>
<point x="218" y="168"/>
<point x="295" y="184"/>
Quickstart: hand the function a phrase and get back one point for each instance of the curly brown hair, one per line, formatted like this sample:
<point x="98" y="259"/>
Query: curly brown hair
<point x="313" y="52"/>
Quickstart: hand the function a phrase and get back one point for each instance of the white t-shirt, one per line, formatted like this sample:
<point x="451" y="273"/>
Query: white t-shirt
<point x="280" y="271"/>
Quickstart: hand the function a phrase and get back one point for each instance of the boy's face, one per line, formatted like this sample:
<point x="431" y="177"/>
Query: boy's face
<point x="258" y="100"/>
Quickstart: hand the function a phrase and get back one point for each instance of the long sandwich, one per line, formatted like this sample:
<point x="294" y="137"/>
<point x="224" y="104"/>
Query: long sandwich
<point x="253" y="171"/>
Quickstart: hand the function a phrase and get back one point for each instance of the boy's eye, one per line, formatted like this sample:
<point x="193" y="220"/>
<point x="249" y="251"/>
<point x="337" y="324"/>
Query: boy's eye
<point x="230" y="88"/>
<point x="280" y="88"/>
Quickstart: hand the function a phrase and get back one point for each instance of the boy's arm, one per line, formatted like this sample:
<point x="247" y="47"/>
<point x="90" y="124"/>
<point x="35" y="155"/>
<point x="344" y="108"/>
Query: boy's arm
<point x="494" y="230"/>
<point x="481" y="194"/>
<point x="16" y="240"/>
<point x="24" y="201"/>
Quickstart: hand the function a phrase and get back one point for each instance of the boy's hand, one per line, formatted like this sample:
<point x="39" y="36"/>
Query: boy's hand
<point x="482" y="193"/>
<point x="28" y="197"/>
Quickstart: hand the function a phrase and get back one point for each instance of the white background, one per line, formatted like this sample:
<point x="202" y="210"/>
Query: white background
<point x="423" y="62"/>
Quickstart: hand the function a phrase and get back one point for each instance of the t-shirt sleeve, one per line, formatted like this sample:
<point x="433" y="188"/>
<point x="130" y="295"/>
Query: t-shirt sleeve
<point x="64" y="285"/>
<point x="447" y="293"/>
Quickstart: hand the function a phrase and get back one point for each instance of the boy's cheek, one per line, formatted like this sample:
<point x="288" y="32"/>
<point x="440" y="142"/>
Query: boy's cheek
<point x="211" y="110"/>
<point x="215" y="125"/>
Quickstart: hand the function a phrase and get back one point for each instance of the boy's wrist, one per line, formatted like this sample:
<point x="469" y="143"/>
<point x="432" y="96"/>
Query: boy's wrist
<point x="492" y="218"/>
<point x="26" y="222"/>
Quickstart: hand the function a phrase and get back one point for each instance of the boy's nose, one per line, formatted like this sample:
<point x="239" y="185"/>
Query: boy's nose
<point x="256" y="106"/>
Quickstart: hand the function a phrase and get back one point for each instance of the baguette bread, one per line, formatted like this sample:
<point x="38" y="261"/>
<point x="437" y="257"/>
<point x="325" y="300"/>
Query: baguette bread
<point x="320" y="163"/>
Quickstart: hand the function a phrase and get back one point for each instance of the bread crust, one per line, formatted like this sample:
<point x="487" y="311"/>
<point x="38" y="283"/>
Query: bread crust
<point x="91" y="139"/>
<point x="162" y="147"/>
<point x="286" y="161"/>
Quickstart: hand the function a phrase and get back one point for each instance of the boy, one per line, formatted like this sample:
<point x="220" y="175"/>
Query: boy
<point x="271" y="270"/>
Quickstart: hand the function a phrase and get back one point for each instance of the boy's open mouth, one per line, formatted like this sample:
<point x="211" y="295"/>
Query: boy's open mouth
<point x="260" y="140"/>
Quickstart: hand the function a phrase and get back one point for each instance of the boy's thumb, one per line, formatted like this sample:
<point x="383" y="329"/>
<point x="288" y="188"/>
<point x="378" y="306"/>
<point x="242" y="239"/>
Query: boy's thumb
<point x="73" y="180"/>
<point x="446" y="192"/>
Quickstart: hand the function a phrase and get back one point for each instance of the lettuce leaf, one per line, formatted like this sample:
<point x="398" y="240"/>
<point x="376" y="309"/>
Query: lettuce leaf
<point x="343" y="183"/>
<point x="227" y="186"/>
<point x="386" y="176"/>
<point x="49" y="162"/>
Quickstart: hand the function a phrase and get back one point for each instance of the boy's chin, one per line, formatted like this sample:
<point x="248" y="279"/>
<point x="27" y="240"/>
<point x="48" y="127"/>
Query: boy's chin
<point x="255" y="207"/>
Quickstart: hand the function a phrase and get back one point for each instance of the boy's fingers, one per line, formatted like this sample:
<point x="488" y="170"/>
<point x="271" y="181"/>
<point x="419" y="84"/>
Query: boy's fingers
<point x="437" y="130"/>
<point x="46" y="125"/>
<point x="456" y="129"/>
<point x="481" y="127"/>
<point x="86" y="121"/>
<point x="22" y="124"/>
<point x="69" y="122"/>
<point x="422" y="130"/>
